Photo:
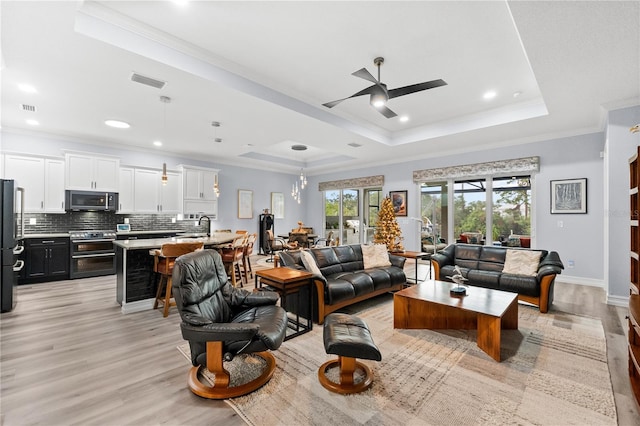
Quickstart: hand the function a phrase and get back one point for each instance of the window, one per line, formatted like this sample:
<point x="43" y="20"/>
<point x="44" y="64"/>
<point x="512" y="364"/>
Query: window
<point x="500" y="204"/>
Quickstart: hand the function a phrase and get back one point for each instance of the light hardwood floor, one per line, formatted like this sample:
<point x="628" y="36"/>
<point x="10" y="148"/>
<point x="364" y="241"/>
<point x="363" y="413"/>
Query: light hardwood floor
<point x="69" y="357"/>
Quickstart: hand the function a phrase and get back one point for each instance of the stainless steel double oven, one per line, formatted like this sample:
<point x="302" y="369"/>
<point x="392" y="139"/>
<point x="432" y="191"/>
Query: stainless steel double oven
<point x="92" y="253"/>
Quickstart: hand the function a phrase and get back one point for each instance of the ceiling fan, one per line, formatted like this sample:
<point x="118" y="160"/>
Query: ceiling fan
<point x="379" y="92"/>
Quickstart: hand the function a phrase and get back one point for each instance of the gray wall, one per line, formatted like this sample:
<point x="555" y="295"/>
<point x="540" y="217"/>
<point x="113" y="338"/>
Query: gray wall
<point x="620" y="146"/>
<point x="581" y="237"/>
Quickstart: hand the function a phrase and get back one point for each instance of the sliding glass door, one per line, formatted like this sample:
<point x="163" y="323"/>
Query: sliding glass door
<point x="350" y="214"/>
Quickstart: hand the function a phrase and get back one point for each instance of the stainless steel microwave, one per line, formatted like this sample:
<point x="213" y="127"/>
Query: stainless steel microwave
<point x="91" y="201"/>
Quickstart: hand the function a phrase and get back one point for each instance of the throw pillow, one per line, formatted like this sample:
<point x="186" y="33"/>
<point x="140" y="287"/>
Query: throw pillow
<point x="309" y="263"/>
<point x="522" y="262"/>
<point x="375" y="255"/>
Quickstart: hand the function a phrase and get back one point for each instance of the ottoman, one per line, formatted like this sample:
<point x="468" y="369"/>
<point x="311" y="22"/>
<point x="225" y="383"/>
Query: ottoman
<point x="348" y="337"/>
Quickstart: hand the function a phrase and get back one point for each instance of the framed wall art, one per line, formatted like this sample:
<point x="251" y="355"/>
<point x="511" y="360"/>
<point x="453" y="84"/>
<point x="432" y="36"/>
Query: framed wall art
<point x="569" y="196"/>
<point x="277" y="205"/>
<point x="399" y="201"/>
<point x="245" y="204"/>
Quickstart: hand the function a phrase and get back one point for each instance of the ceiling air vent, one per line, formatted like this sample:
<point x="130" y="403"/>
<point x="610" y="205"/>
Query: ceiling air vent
<point x="355" y="145"/>
<point x="29" y="108"/>
<point x="148" y="81"/>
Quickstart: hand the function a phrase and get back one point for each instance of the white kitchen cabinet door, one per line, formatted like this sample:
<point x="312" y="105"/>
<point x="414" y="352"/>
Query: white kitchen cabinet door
<point x="208" y="179"/>
<point x="146" y="194"/>
<point x="170" y="199"/>
<point x="126" y="191"/>
<point x="54" y="186"/>
<point x="28" y="173"/>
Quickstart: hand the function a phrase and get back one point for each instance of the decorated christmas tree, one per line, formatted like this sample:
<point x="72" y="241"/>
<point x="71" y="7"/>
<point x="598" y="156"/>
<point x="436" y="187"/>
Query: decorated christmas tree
<point x="387" y="229"/>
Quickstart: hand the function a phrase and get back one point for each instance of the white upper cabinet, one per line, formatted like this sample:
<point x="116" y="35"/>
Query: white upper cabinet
<point x="54" y="186"/>
<point x="151" y="196"/>
<point x="199" y="183"/>
<point x="125" y="191"/>
<point x="42" y="179"/>
<point x="91" y="173"/>
<point x="198" y="189"/>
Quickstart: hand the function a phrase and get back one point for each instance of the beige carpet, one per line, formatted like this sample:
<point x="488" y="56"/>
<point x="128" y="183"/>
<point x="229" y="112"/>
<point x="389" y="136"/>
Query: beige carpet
<point x="554" y="372"/>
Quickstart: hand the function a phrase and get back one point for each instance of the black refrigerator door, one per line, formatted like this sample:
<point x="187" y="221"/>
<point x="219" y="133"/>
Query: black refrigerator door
<point x="7" y="216"/>
<point x="9" y="281"/>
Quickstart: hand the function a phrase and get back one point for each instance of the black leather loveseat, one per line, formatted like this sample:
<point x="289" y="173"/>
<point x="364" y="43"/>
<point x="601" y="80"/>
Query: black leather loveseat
<point x="483" y="266"/>
<point x="344" y="280"/>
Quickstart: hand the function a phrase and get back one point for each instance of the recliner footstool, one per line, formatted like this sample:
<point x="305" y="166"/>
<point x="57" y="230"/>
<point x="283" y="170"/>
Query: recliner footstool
<point x="348" y="337"/>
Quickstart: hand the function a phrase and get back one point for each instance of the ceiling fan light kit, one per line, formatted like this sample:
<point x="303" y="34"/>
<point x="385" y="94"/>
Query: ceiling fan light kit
<point x="378" y="93"/>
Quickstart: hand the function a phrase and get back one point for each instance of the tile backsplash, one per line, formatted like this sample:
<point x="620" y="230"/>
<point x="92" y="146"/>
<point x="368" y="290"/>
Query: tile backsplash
<point x="81" y="221"/>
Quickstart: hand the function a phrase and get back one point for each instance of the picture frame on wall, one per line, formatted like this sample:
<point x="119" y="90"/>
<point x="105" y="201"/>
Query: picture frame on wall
<point x="277" y="205"/>
<point x="569" y="196"/>
<point x="399" y="201"/>
<point x="245" y="204"/>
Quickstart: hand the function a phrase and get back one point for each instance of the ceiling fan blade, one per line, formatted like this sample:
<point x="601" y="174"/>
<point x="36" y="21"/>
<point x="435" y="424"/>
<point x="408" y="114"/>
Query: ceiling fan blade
<point x="406" y="90"/>
<point x="366" y="91"/>
<point x="363" y="73"/>
<point x="386" y="112"/>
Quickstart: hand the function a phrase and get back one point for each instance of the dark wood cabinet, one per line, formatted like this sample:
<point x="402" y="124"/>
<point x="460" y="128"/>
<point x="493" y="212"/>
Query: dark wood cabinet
<point x="46" y="259"/>
<point x="634" y="282"/>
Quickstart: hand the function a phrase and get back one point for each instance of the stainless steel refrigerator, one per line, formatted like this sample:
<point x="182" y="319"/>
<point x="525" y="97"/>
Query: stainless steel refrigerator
<point x="11" y="240"/>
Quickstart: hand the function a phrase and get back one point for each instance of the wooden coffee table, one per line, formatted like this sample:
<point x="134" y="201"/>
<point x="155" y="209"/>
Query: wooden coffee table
<point x="428" y="305"/>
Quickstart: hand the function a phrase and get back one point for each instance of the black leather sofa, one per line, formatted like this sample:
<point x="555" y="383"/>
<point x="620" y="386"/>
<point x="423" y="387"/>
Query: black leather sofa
<point x="482" y="266"/>
<point x="344" y="280"/>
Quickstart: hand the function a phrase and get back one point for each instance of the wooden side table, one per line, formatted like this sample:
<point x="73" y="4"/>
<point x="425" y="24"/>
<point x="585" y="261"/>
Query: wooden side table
<point x="415" y="255"/>
<point x="286" y="281"/>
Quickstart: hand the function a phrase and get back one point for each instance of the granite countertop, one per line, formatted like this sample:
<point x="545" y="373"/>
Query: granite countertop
<point x="175" y="231"/>
<point x="140" y="244"/>
<point x="51" y="235"/>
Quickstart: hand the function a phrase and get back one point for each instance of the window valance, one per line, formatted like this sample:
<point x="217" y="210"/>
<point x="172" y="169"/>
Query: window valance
<point x="502" y="167"/>
<point x="362" y="182"/>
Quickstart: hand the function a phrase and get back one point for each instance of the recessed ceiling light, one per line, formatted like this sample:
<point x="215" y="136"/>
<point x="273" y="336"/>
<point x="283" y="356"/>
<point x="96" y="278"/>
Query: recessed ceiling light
<point x="157" y="143"/>
<point x="404" y="118"/>
<point x="27" y="88"/>
<point x="516" y="94"/>
<point x="489" y="95"/>
<point x="32" y="122"/>
<point x="117" y="124"/>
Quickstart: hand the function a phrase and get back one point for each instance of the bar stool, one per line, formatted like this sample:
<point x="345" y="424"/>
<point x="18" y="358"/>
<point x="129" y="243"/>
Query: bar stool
<point x="163" y="262"/>
<point x="232" y="258"/>
<point x="246" y="256"/>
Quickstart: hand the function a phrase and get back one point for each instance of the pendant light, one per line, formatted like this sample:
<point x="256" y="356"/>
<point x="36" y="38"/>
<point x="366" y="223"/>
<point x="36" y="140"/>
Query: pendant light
<point x="164" y="174"/>
<point x="215" y="125"/>
<point x="301" y="182"/>
<point x="165" y="100"/>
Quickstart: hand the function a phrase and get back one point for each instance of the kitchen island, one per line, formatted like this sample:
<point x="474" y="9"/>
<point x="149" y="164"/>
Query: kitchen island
<point x="136" y="281"/>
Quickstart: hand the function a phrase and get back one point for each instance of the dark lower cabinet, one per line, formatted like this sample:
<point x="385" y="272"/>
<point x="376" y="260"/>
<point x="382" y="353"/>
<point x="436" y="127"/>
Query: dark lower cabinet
<point x="46" y="259"/>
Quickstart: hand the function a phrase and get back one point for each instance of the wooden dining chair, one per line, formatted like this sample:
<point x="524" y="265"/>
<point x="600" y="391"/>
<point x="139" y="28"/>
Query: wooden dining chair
<point x="163" y="261"/>
<point x="246" y="256"/>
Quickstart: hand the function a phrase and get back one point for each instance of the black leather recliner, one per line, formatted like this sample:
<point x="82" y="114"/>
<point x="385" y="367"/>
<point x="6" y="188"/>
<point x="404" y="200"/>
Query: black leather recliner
<point x="221" y="321"/>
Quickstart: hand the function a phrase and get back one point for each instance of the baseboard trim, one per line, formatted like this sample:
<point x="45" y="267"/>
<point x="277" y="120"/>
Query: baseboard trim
<point x="580" y="281"/>
<point x="622" y="301"/>
<point x="137" y="306"/>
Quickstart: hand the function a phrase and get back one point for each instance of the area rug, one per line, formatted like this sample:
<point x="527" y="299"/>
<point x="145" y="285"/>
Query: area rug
<point x="554" y="372"/>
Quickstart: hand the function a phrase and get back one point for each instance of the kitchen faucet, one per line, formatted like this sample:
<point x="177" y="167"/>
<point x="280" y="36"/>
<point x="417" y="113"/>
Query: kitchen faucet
<point x="208" y="220"/>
